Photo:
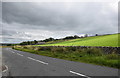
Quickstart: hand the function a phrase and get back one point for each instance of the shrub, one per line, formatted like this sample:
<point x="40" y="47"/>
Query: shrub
<point x="70" y="48"/>
<point x="79" y="50"/>
<point x="93" y="51"/>
<point x="25" y="47"/>
<point x="37" y="48"/>
<point x="58" y="49"/>
<point x="112" y="56"/>
<point x="44" y="48"/>
<point x="78" y="55"/>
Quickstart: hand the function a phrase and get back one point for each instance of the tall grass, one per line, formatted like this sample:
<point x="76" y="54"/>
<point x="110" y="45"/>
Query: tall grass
<point x="88" y="55"/>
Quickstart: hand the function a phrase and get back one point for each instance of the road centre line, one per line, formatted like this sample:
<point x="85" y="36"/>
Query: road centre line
<point x="42" y="62"/>
<point x="12" y="52"/>
<point x="30" y="58"/>
<point x="37" y="60"/>
<point x="47" y="64"/>
<point x="79" y="74"/>
<point x="20" y="54"/>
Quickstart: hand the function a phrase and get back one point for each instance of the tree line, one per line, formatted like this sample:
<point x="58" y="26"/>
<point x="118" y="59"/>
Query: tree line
<point x="52" y="39"/>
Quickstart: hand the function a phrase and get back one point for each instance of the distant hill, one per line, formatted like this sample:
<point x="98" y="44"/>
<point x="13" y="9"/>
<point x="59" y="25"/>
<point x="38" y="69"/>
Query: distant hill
<point x="105" y="40"/>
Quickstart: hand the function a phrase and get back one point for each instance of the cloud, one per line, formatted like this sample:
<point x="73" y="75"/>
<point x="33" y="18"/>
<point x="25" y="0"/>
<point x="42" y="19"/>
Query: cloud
<point x="57" y="19"/>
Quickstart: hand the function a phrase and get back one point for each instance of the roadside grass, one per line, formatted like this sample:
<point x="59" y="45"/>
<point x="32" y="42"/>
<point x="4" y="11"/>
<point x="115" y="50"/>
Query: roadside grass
<point x="106" y="40"/>
<point x="6" y="46"/>
<point x="93" y="56"/>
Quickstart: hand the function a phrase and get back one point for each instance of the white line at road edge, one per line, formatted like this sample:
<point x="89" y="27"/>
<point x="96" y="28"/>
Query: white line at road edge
<point x="79" y="74"/>
<point x="5" y="69"/>
<point x="20" y="54"/>
<point x="37" y="60"/>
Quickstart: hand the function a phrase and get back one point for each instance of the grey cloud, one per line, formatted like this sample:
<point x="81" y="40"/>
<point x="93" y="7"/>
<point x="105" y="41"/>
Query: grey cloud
<point x="70" y="18"/>
<point x="78" y="15"/>
<point x="7" y="32"/>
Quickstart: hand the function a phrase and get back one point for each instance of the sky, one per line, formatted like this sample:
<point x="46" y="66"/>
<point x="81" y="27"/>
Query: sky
<point x="23" y="21"/>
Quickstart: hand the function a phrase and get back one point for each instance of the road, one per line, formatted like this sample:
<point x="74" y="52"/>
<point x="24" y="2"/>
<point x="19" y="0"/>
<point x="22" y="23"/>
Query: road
<point x="26" y="64"/>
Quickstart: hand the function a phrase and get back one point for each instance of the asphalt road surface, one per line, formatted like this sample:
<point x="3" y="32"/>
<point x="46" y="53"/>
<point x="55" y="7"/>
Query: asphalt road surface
<point x="26" y="64"/>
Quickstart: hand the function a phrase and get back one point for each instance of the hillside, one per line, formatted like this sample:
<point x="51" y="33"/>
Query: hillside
<point x="106" y="40"/>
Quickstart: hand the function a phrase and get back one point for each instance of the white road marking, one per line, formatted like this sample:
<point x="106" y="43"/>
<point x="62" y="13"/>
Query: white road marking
<point x="30" y="58"/>
<point x="20" y="54"/>
<point x="41" y="62"/>
<point x="37" y="60"/>
<point x="12" y="52"/>
<point x="5" y="69"/>
<point x="79" y="74"/>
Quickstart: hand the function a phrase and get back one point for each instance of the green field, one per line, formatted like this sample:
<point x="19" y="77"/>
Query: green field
<point x="106" y="40"/>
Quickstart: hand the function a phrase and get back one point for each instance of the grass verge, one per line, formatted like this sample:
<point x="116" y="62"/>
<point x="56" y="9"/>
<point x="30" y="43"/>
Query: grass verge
<point x="93" y="56"/>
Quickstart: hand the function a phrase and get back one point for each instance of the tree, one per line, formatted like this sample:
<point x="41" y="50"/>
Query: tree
<point x="96" y="34"/>
<point x="28" y="42"/>
<point x="68" y="37"/>
<point x="75" y="36"/>
<point x="49" y="39"/>
<point x="35" y="42"/>
<point x="86" y="35"/>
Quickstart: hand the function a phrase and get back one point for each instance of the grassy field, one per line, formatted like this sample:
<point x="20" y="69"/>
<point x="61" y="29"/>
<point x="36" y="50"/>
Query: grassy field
<point x="106" y="40"/>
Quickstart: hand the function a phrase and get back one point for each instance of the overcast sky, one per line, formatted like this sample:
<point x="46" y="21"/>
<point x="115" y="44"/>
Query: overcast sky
<point x="23" y="21"/>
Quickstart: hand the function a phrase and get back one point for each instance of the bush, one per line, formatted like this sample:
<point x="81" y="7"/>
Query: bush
<point x="112" y="56"/>
<point x="44" y="48"/>
<point x="59" y="50"/>
<point x="25" y="47"/>
<point x="70" y="48"/>
<point x="35" y="48"/>
<point x="93" y="51"/>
